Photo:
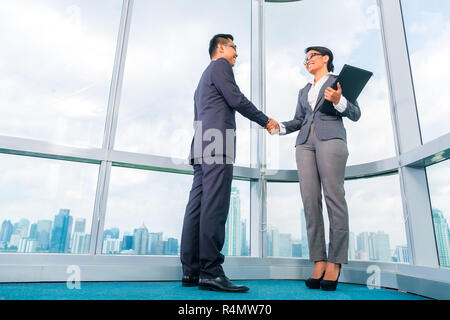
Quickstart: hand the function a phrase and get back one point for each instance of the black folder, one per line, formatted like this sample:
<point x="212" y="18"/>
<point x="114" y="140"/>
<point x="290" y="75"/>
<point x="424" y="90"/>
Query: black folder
<point x="352" y="81"/>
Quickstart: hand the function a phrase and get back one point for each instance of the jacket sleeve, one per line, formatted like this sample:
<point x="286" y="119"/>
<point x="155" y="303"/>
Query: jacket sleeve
<point x="296" y="123"/>
<point x="353" y="112"/>
<point x="223" y="79"/>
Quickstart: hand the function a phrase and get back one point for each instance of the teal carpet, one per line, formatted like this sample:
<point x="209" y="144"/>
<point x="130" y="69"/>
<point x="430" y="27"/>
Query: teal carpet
<point x="172" y="290"/>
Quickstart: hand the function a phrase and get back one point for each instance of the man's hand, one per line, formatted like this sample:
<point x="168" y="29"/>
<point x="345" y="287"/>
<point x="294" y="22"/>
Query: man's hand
<point x="333" y="95"/>
<point x="273" y="126"/>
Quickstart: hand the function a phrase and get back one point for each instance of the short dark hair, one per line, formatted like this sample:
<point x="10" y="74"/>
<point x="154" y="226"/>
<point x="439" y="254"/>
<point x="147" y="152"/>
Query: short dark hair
<point x="218" y="38"/>
<point x="325" y="52"/>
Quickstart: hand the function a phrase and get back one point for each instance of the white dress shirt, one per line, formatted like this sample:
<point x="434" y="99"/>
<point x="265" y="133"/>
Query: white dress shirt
<point x="313" y="95"/>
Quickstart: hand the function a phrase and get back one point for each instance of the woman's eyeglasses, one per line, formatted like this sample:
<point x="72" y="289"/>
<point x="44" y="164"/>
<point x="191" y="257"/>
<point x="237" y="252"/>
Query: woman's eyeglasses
<point x="311" y="56"/>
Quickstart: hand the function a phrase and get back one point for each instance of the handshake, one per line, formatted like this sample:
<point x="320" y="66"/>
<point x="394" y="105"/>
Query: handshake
<point x="273" y="127"/>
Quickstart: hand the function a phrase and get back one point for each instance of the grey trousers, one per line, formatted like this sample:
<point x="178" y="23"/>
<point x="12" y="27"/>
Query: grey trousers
<point x="322" y="164"/>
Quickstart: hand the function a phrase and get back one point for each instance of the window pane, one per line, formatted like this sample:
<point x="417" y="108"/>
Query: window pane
<point x="375" y="219"/>
<point x="237" y="228"/>
<point x="291" y="27"/>
<point x="167" y="53"/>
<point x="146" y="209"/>
<point x="55" y="72"/>
<point x="286" y="232"/>
<point x="427" y="25"/>
<point x="439" y="186"/>
<point x="377" y="229"/>
<point x="46" y="205"/>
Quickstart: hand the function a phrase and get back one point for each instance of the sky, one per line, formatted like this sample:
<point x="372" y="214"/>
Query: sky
<point x="56" y="71"/>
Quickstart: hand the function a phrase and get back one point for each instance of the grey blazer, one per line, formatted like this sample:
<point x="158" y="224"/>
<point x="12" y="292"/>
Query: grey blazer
<point x="326" y="126"/>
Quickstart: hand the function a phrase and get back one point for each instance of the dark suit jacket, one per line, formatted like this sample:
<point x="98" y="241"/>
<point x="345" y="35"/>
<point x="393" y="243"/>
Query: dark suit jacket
<point x="216" y="100"/>
<point x="326" y="126"/>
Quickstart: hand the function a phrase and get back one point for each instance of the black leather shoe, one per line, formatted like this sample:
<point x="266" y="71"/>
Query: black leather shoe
<point x="314" y="283"/>
<point x="330" y="285"/>
<point x="189" y="281"/>
<point x="220" y="284"/>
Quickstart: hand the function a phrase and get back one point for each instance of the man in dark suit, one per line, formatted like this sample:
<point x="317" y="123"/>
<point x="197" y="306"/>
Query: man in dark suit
<point x="216" y="100"/>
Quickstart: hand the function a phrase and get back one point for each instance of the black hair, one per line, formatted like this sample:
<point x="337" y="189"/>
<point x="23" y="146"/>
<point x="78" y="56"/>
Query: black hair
<point x="326" y="52"/>
<point x="218" y="38"/>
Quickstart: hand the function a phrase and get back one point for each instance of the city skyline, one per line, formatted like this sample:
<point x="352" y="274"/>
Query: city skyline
<point x="365" y="246"/>
<point x="68" y="235"/>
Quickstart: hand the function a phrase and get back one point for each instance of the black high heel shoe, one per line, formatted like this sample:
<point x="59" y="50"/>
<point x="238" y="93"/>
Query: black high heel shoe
<point x="330" y="285"/>
<point x="313" y="283"/>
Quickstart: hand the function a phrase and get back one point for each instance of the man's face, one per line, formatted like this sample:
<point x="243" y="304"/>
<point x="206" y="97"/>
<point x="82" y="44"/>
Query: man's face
<point x="229" y="52"/>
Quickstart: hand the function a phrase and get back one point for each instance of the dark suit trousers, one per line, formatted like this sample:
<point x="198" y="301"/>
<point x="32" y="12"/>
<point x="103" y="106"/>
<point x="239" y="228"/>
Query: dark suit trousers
<point x="206" y="213"/>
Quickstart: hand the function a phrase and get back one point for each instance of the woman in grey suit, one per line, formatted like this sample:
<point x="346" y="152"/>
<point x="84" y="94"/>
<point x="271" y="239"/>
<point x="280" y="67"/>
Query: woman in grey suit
<point x="321" y="155"/>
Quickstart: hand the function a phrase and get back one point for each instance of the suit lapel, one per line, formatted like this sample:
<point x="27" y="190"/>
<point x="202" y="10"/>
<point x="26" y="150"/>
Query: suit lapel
<point x="321" y="98"/>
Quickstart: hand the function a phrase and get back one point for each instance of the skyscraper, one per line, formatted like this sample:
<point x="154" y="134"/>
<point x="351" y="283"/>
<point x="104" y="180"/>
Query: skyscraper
<point x="244" y="244"/>
<point x="27" y="245"/>
<point x="171" y="246"/>
<point x="379" y="243"/>
<point x="442" y="230"/>
<point x="44" y="229"/>
<point x="304" y="239"/>
<point x="33" y="231"/>
<point x="285" y="245"/>
<point x="127" y="242"/>
<point x="156" y="246"/>
<point x="5" y="232"/>
<point x="112" y="245"/>
<point x="80" y="243"/>
<point x="21" y="228"/>
<point x="297" y="250"/>
<point x="62" y="227"/>
<point x="273" y="242"/>
<point x="14" y="241"/>
<point x="362" y="246"/>
<point x="232" y="244"/>
<point x="351" y="246"/>
<point x="112" y="233"/>
<point x="80" y="225"/>
<point x="401" y="253"/>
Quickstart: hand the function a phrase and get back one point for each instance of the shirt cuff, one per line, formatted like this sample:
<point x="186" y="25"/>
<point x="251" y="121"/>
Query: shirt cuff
<point x="341" y="105"/>
<point x="282" y="131"/>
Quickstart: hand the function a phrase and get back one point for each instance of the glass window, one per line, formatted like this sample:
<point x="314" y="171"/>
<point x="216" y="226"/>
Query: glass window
<point x="439" y="187"/>
<point x="146" y="209"/>
<point x="167" y="53"/>
<point x="46" y="205"/>
<point x="427" y="25"/>
<point x="55" y="70"/>
<point x="286" y="230"/>
<point x="377" y="229"/>
<point x="237" y="228"/>
<point x="290" y="28"/>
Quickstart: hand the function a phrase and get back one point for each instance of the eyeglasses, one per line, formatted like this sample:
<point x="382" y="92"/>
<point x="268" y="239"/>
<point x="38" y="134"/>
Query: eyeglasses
<point x="230" y="45"/>
<point x="311" y="56"/>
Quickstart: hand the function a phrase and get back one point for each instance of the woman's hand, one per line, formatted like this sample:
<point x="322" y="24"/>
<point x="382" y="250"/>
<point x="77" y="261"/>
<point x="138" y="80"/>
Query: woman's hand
<point x="333" y="95"/>
<point x="272" y="126"/>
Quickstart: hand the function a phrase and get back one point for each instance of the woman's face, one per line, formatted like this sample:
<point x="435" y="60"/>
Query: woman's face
<point x="315" y="61"/>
